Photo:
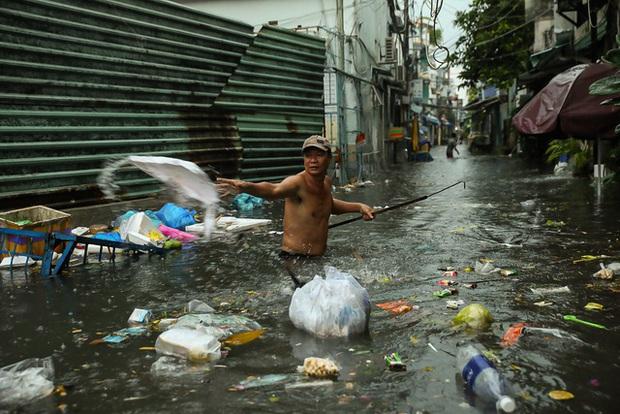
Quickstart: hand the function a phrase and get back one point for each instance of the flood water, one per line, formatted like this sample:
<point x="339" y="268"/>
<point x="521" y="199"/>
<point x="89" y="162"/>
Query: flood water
<point x="395" y="257"/>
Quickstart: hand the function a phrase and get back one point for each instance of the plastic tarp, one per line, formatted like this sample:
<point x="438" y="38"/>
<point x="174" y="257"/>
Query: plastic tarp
<point x="25" y="381"/>
<point x="432" y="119"/>
<point x="565" y="107"/>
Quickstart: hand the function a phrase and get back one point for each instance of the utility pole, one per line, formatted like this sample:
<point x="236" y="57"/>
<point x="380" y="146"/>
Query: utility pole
<point x="406" y="47"/>
<point x="340" y="82"/>
<point x="340" y="30"/>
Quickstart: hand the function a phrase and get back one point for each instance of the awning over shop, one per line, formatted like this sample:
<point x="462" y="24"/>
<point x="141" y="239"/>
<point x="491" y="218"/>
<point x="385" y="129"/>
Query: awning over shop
<point x="565" y="107"/>
<point x="483" y="104"/>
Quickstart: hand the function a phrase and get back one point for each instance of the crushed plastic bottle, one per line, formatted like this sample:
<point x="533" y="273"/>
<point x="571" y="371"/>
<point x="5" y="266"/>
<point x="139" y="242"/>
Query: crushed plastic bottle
<point x="482" y="378"/>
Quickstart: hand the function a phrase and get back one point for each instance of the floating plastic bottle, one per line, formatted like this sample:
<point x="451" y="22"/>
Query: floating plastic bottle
<point x="482" y="378"/>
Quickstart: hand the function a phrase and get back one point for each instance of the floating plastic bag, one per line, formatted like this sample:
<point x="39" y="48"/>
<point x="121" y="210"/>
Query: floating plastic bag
<point x="247" y="202"/>
<point x="192" y="344"/>
<point x="485" y="268"/>
<point x="186" y="178"/>
<point x="220" y="325"/>
<point x="335" y="306"/>
<point x="396" y="307"/>
<point x="171" y="367"/>
<point x="26" y="381"/>
<point x="264" y="381"/>
<point x="117" y="222"/>
<point x="176" y="217"/>
<point x="474" y="316"/>
<point x="198" y="306"/>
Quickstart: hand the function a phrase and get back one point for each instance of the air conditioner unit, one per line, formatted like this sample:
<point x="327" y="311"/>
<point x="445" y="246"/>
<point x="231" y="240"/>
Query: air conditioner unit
<point x="389" y="49"/>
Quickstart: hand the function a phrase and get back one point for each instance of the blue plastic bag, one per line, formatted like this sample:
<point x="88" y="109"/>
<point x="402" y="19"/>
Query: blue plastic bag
<point x="247" y="202"/>
<point x="123" y="217"/>
<point x="176" y="217"/>
<point x="112" y="236"/>
<point x="153" y="216"/>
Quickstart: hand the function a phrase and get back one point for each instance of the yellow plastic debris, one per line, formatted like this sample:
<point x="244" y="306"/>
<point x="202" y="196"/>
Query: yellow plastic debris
<point x="243" y="338"/>
<point x="589" y="258"/>
<point x="593" y="306"/>
<point x="475" y="316"/>
<point x="561" y="395"/>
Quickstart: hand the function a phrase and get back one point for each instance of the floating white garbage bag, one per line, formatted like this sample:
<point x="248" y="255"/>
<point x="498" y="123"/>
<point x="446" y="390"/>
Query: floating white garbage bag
<point x="192" y="344"/>
<point x="26" y="381"/>
<point x="335" y="306"/>
<point x="485" y="268"/>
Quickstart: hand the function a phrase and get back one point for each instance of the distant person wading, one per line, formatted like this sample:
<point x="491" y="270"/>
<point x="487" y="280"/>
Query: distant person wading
<point x="452" y="147"/>
<point x="308" y="201"/>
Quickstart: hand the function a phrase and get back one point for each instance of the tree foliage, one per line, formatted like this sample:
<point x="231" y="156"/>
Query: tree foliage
<point x="494" y="48"/>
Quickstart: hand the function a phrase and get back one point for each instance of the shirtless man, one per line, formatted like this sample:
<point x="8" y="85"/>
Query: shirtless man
<point x="308" y="200"/>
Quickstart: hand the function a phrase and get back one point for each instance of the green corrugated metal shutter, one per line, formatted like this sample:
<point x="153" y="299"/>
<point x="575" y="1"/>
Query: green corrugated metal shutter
<point x="82" y="81"/>
<point x="86" y="81"/>
<point x="277" y="93"/>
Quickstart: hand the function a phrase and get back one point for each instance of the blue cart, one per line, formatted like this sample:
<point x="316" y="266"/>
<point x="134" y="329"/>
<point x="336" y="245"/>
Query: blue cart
<point x="13" y="237"/>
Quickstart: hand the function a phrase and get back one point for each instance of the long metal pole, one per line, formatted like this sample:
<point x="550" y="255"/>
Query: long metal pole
<point x="395" y="206"/>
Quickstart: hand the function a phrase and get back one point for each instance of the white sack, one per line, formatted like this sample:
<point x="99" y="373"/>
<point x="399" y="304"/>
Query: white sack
<point x="335" y="306"/>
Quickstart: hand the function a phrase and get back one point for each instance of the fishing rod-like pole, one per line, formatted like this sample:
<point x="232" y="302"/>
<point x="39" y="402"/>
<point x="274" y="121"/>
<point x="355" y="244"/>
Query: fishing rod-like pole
<point x="395" y="206"/>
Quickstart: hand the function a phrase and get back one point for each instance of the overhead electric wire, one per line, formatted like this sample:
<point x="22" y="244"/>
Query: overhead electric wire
<point x="484" y="42"/>
<point x="497" y="21"/>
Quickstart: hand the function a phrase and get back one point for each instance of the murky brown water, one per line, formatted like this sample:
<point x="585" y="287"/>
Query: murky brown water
<point x="394" y="257"/>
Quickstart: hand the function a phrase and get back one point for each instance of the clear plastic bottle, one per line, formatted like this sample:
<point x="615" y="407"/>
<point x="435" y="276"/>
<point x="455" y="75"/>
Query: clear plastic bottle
<point x="482" y="378"/>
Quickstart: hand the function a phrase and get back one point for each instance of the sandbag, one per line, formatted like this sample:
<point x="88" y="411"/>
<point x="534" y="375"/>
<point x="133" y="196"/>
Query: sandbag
<point x="336" y="306"/>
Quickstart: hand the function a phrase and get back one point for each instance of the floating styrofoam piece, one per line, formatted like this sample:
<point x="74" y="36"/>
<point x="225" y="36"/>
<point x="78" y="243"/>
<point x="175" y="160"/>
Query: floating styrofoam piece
<point x="137" y="229"/>
<point x="137" y="238"/>
<point x="230" y="225"/>
<point x="192" y="344"/>
<point x="234" y="224"/>
<point x="139" y="316"/>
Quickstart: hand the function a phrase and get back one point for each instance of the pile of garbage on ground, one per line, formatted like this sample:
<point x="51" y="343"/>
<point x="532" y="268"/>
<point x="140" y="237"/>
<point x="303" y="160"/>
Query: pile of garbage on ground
<point x="170" y="227"/>
<point x="173" y="225"/>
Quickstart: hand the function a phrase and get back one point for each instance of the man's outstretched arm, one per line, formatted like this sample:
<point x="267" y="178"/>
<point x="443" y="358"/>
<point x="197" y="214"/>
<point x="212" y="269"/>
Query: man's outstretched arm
<point x="271" y="191"/>
<point x="342" y="207"/>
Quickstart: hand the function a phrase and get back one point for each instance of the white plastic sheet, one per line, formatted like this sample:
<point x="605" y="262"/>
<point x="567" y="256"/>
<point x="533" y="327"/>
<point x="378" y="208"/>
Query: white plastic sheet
<point x="336" y="306"/>
<point x="26" y="381"/>
<point x="184" y="177"/>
